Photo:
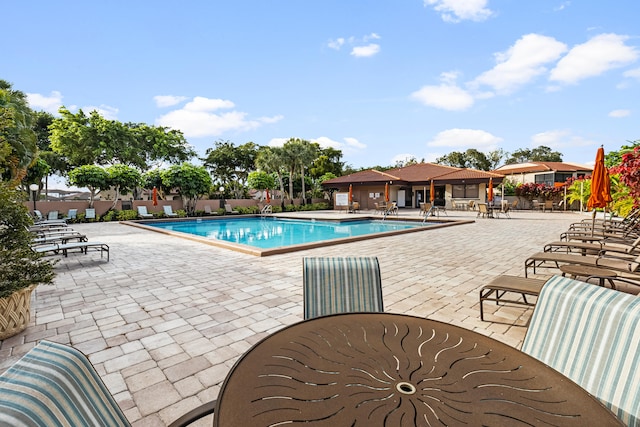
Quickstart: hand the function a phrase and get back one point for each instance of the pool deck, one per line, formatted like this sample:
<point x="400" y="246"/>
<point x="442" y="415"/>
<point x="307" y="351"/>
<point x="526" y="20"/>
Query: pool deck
<point x="166" y="318"/>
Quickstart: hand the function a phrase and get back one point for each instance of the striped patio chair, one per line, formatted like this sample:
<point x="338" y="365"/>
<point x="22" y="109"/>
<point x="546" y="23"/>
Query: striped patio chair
<point x="341" y="284"/>
<point x="56" y="385"/>
<point x="591" y="335"/>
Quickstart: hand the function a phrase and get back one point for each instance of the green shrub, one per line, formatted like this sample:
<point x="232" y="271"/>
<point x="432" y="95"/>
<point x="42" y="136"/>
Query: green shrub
<point x="127" y="215"/>
<point x="181" y="213"/>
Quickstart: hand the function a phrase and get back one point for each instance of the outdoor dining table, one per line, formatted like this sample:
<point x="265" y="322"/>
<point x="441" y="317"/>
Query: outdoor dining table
<point x="382" y="369"/>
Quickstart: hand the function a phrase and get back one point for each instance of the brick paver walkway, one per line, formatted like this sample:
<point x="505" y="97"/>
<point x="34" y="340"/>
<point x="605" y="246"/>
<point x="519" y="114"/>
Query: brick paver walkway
<point x="166" y="318"/>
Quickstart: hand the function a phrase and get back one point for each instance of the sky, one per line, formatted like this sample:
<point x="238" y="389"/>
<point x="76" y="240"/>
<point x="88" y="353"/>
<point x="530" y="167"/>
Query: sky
<point x="383" y="81"/>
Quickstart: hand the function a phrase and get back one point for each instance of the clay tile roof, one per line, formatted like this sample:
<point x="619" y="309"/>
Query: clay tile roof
<point x="541" y="167"/>
<point x="416" y="173"/>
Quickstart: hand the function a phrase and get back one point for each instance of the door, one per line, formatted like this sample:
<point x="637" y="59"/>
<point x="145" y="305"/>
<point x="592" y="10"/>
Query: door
<point x="401" y="198"/>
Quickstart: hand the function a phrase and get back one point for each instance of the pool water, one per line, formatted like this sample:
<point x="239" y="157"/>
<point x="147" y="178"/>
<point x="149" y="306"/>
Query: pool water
<point x="269" y="233"/>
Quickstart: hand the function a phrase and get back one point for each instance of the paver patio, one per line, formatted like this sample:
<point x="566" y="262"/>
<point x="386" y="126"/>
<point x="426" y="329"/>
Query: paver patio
<point x="166" y="318"/>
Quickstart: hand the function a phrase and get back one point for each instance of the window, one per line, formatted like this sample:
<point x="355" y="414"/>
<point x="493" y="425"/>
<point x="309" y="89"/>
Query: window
<point x="462" y="191"/>
<point x="544" y="178"/>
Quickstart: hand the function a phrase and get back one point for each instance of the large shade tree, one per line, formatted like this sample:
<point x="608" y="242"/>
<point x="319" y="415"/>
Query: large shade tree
<point x="190" y="181"/>
<point x="538" y="154"/>
<point x="92" y="177"/>
<point x="231" y="164"/>
<point x="93" y="139"/>
<point x="18" y="144"/>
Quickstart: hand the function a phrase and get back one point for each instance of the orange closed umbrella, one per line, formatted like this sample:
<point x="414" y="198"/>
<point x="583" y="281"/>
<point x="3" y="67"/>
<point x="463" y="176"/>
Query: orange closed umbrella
<point x="350" y="193"/>
<point x="490" y="195"/>
<point x="600" y="186"/>
<point x="268" y="197"/>
<point x="154" y="196"/>
<point x="432" y="192"/>
<point x="386" y="192"/>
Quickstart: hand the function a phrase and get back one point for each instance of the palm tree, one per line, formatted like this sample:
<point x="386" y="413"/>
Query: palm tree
<point x="271" y="160"/>
<point x="307" y="155"/>
<point x="292" y="150"/>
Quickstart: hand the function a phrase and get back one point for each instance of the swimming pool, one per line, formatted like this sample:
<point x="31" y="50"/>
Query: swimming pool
<point x="267" y="236"/>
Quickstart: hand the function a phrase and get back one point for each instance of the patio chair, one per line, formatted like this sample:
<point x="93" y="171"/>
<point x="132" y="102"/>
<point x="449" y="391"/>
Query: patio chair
<point x="606" y="259"/>
<point x="52" y="215"/>
<point x="229" y="210"/>
<point x="142" y="212"/>
<point x="590" y="334"/>
<point x="341" y="284"/>
<point x="208" y="211"/>
<point x="472" y="205"/>
<point x="90" y="214"/>
<point x="73" y="214"/>
<point x="49" y="249"/>
<point x="483" y="210"/>
<point x="595" y="247"/>
<point x="501" y="287"/>
<point x="55" y="384"/>
<point x="168" y="211"/>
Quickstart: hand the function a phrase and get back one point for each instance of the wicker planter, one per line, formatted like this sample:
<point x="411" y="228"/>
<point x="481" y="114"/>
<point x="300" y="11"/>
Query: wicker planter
<point x="15" y="312"/>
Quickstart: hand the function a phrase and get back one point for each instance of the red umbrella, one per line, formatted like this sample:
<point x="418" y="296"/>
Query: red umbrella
<point x="600" y="186"/>
<point x="350" y="193"/>
<point x="268" y="197"/>
<point x="154" y="197"/>
<point x="386" y="192"/>
<point x="432" y="192"/>
<point x="490" y="195"/>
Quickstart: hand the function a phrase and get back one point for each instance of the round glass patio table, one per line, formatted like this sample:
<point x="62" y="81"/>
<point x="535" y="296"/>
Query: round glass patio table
<point x="381" y="369"/>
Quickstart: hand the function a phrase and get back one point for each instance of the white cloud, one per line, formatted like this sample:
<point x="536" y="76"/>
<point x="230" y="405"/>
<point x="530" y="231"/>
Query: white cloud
<point x="168" y="100"/>
<point x="336" y="44"/>
<point x="460" y="10"/>
<point x="277" y="142"/>
<point x="360" y="46"/>
<point x="463" y="139"/>
<point x="365" y="51"/>
<point x="447" y="96"/>
<point x="619" y="113"/>
<point x="521" y="63"/>
<point x="198" y="118"/>
<point x="562" y="6"/>
<point x="353" y="142"/>
<point x="634" y="74"/>
<point x="593" y="58"/>
<point x="50" y="103"/>
<point x="558" y="139"/>
<point x="106" y="111"/>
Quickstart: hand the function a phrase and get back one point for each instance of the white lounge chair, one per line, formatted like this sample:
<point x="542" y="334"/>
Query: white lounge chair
<point x="142" y="212"/>
<point x="168" y="211"/>
<point x="228" y="210"/>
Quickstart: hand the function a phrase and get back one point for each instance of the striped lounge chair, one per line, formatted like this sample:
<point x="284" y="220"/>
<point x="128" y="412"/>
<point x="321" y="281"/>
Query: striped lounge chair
<point x="56" y="385"/>
<point x="341" y="284"/>
<point x="591" y="335"/>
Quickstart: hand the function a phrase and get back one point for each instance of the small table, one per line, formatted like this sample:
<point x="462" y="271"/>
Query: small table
<point x="575" y="271"/>
<point x="379" y="369"/>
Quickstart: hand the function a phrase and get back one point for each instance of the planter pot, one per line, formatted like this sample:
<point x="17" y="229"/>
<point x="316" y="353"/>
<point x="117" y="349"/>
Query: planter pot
<point x="15" y="312"/>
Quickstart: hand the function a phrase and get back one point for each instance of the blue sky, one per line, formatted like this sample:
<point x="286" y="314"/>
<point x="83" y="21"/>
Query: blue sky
<point x="380" y="80"/>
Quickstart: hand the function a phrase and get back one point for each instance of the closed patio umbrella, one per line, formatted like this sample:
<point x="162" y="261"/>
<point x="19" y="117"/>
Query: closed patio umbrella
<point x="432" y="192"/>
<point x="268" y="196"/>
<point x="350" y="193"/>
<point x="600" y="186"/>
<point x="490" y="192"/>
<point x="154" y="196"/>
<point x="386" y="192"/>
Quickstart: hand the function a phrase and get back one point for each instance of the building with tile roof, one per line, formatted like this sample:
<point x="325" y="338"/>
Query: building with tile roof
<point x="548" y="173"/>
<point x="410" y="185"/>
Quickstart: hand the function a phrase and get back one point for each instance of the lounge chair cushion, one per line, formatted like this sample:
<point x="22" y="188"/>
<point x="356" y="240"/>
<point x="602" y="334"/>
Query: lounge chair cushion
<point x="54" y="384"/>
<point x="591" y="335"/>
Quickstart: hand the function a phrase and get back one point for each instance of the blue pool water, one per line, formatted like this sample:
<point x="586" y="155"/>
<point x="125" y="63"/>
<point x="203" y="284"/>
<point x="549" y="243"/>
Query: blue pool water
<point x="268" y="233"/>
